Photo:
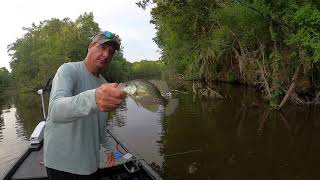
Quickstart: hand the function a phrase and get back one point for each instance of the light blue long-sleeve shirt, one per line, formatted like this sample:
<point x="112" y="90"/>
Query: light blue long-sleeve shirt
<point x="75" y="128"/>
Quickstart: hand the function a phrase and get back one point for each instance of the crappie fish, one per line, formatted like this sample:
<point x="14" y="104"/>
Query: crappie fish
<point x="142" y="88"/>
<point x="148" y="95"/>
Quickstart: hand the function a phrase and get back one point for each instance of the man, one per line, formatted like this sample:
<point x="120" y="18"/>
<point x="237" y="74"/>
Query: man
<point x="75" y="126"/>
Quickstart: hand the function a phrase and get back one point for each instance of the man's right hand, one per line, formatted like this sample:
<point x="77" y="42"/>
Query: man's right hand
<point x="109" y="97"/>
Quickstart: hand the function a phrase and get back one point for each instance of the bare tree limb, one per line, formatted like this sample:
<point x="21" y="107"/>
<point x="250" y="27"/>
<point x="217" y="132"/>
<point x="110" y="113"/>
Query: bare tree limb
<point x="291" y="88"/>
<point x="265" y="80"/>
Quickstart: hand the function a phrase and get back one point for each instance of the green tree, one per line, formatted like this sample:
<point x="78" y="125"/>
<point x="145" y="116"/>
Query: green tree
<point x="5" y="78"/>
<point x="119" y="70"/>
<point x="254" y="42"/>
<point x="146" y="69"/>
<point x="37" y="55"/>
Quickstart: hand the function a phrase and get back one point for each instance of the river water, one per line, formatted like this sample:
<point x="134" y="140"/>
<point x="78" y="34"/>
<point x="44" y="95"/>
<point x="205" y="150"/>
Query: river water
<point x="237" y="138"/>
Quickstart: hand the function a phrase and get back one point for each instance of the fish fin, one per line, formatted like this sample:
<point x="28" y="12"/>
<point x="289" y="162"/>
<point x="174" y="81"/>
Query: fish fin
<point x="161" y="85"/>
<point x="146" y="102"/>
<point x="152" y="108"/>
<point x="171" y="107"/>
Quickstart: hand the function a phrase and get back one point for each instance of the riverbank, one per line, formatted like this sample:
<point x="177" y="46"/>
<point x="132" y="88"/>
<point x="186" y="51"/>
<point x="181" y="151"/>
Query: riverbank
<point x="299" y="93"/>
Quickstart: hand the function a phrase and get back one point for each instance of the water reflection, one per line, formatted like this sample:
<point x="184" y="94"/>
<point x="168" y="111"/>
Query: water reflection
<point x="239" y="140"/>
<point x="1" y="125"/>
<point x="12" y="141"/>
<point x="119" y="116"/>
<point x="141" y="130"/>
<point x="237" y="137"/>
<point x="29" y="112"/>
<point x="19" y="116"/>
<point x="5" y="105"/>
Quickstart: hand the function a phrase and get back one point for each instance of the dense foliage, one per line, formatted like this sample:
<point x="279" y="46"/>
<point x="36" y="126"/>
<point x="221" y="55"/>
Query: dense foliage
<point x="4" y="79"/>
<point x="38" y="54"/>
<point x="145" y="68"/>
<point x="256" y="42"/>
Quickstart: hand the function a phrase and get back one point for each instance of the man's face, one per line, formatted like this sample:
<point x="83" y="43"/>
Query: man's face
<point x="101" y="55"/>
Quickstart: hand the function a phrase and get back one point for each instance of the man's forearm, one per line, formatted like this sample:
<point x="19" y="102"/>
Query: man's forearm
<point x="66" y="109"/>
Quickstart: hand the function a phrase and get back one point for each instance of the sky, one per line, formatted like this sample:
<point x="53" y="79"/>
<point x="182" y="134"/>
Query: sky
<point x="122" y="17"/>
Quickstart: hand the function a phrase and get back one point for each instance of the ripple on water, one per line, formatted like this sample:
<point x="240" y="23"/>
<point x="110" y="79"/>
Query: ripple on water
<point x="9" y="155"/>
<point x="12" y="144"/>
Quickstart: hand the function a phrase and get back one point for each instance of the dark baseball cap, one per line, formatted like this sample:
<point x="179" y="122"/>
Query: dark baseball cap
<point x="106" y="37"/>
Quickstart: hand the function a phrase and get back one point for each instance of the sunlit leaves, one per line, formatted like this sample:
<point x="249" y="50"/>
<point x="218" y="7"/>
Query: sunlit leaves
<point x="44" y="47"/>
<point x="307" y="20"/>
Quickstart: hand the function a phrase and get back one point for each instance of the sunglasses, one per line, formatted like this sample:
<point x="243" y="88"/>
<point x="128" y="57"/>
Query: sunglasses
<point x="108" y="38"/>
<point x="107" y="34"/>
<point x="110" y="35"/>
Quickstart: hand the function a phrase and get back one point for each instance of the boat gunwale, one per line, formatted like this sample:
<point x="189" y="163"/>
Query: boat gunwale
<point x="32" y="148"/>
<point x="15" y="166"/>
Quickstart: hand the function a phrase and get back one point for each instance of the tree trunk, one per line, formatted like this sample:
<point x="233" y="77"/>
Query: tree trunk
<point x="239" y="60"/>
<point x="275" y="68"/>
<point x="240" y="56"/>
<point x="194" y="88"/>
<point x="291" y="88"/>
<point x="265" y="80"/>
<point x="263" y="56"/>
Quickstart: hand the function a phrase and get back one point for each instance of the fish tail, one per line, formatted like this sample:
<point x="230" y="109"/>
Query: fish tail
<point x="171" y="106"/>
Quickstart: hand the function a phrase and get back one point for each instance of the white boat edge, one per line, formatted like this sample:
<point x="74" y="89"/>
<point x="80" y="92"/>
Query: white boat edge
<point x="37" y="134"/>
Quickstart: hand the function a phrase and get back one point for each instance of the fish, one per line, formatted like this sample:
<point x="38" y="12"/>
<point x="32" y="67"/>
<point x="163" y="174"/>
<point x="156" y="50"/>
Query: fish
<point x="148" y="96"/>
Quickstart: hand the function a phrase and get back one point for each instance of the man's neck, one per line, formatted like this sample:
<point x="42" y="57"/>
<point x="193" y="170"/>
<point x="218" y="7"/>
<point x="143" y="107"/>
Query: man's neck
<point x="93" y="70"/>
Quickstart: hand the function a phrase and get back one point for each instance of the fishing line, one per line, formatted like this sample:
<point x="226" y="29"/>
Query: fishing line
<point x="182" y="153"/>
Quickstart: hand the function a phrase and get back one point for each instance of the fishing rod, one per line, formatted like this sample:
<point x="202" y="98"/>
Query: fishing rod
<point x="182" y="153"/>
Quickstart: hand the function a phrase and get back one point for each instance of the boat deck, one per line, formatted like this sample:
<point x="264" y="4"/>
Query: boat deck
<point x="32" y="167"/>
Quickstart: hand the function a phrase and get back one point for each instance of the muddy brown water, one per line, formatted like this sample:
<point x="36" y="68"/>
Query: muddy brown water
<point x="237" y="138"/>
